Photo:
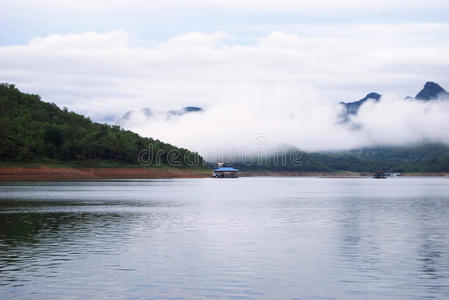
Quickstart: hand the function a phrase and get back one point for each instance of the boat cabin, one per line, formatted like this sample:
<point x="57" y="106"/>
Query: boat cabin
<point x="225" y="172"/>
<point x="379" y="175"/>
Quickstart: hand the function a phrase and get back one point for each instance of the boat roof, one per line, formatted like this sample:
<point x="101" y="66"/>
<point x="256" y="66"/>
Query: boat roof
<point x="226" y="169"/>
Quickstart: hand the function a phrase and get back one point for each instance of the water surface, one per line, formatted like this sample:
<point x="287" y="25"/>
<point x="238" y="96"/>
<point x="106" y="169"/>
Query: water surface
<point x="246" y="238"/>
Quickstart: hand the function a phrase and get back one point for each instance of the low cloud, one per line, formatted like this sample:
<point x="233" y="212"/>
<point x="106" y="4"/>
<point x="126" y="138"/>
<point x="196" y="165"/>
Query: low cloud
<point x="231" y="127"/>
<point x="394" y="121"/>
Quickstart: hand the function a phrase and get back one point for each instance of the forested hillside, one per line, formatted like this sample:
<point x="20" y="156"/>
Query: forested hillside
<point x="417" y="158"/>
<point x="32" y="130"/>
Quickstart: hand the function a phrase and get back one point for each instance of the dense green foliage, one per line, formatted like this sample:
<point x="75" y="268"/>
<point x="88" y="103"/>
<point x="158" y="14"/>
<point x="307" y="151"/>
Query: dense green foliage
<point x="418" y="158"/>
<point x="32" y="130"/>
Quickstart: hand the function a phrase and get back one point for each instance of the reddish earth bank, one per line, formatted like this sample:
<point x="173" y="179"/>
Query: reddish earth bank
<point x="45" y="173"/>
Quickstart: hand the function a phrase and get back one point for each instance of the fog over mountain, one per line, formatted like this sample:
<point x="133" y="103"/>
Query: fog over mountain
<point x="431" y="91"/>
<point x="303" y="121"/>
<point x="145" y="114"/>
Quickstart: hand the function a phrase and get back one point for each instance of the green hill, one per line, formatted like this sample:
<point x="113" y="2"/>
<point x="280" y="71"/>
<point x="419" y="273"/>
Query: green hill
<point x="412" y="158"/>
<point x="32" y="131"/>
<point x="425" y="158"/>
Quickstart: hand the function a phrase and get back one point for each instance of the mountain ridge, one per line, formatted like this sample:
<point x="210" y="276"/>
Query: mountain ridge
<point x="149" y="113"/>
<point x="430" y="92"/>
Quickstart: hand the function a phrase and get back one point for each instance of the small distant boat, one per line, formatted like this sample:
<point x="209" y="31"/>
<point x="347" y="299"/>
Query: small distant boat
<point x="379" y="175"/>
<point x="225" y="172"/>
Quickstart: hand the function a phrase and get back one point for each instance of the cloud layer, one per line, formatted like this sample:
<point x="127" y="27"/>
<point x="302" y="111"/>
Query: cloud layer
<point x="283" y="86"/>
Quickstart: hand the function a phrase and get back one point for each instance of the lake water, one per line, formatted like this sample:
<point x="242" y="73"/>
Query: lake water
<point x="246" y="238"/>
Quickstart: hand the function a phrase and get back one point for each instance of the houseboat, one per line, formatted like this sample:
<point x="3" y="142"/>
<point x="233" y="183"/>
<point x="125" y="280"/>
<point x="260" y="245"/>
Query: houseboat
<point x="225" y="172"/>
<point x="379" y="175"/>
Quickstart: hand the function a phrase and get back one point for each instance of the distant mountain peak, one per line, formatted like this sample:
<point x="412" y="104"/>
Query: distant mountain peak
<point x="185" y="110"/>
<point x="149" y="113"/>
<point x="127" y="116"/>
<point x="373" y="95"/>
<point x="192" y="109"/>
<point x="431" y="91"/>
<point x="353" y="107"/>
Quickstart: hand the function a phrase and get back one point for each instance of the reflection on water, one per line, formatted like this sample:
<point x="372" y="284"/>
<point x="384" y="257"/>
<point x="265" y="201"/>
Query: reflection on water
<point x="250" y="238"/>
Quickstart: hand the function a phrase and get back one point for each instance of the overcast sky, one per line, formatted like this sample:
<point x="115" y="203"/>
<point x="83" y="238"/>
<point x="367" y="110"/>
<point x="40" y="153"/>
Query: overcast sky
<point x="243" y="58"/>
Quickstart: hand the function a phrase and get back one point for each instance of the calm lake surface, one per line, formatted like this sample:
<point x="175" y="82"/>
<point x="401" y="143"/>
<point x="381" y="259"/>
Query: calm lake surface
<point x="246" y="238"/>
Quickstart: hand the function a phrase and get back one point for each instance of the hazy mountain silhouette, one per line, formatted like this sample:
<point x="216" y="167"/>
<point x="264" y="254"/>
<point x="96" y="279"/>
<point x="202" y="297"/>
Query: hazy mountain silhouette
<point x="431" y="91"/>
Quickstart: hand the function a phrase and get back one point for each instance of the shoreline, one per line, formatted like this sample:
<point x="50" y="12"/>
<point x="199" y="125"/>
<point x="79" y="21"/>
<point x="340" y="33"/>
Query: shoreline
<point x="338" y="174"/>
<point x="45" y="173"/>
<point x="345" y="174"/>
